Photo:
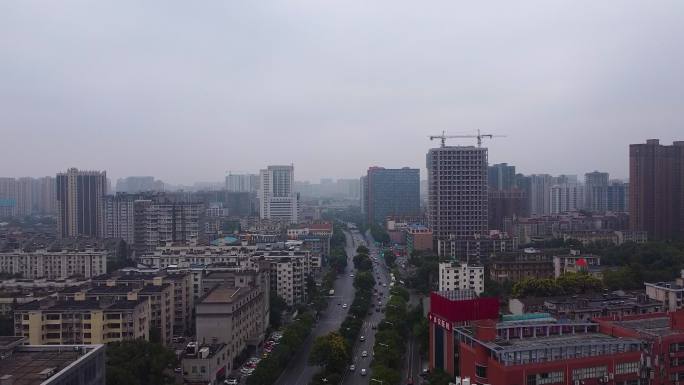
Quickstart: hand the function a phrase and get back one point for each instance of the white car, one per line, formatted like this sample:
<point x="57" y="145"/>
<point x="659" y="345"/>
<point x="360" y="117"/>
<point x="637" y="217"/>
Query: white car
<point x="363" y="372"/>
<point x="344" y="306"/>
<point x="362" y="338"/>
<point x="351" y="275"/>
<point x="352" y="368"/>
<point x="364" y="354"/>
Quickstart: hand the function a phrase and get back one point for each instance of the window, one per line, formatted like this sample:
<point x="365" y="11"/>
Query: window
<point x="546" y="378"/>
<point x="594" y="372"/>
<point x="481" y="371"/>
<point x="627" y="367"/>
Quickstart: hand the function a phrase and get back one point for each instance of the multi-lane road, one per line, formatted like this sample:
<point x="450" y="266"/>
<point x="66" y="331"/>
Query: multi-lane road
<point x="382" y="279"/>
<point x="299" y="372"/>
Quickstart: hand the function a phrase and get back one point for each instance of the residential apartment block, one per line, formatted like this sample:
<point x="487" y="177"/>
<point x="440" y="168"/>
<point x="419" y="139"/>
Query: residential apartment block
<point x="51" y="322"/>
<point x="457" y="194"/>
<point x="656" y="193"/>
<point x="461" y="276"/>
<point x="80" y="208"/>
<point x="277" y="197"/>
<point x="231" y="315"/>
<point x="158" y="222"/>
<point x="54" y="263"/>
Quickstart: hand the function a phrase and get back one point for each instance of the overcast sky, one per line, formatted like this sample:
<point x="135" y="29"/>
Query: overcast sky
<point x="187" y="90"/>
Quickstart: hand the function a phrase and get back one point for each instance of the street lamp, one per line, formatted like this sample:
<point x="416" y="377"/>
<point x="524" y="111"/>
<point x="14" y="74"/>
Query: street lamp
<point x="376" y="380"/>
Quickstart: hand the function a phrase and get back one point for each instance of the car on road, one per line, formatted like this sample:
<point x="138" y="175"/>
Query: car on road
<point x="363" y="372"/>
<point x="178" y="370"/>
<point x="364" y="354"/>
<point x="352" y="368"/>
<point x="351" y="275"/>
<point x="344" y="306"/>
<point x="362" y="338"/>
<point x="231" y="381"/>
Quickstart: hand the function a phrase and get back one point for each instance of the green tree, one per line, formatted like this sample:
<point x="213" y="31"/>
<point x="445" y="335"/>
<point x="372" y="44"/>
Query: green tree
<point x="277" y="307"/>
<point x="362" y="250"/>
<point x="364" y="281"/>
<point x="139" y="362"/>
<point x="330" y="351"/>
<point x="439" y="377"/>
<point x="387" y="375"/>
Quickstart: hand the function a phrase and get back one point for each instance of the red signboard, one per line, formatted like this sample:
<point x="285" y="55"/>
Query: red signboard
<point x="464" y="310"/>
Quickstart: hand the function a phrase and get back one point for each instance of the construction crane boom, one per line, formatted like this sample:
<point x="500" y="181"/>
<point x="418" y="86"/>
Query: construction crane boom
<point x="479" y="137"/>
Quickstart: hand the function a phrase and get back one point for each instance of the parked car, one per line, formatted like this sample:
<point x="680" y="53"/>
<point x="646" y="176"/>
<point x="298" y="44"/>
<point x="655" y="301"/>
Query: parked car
<point x="352" y="368"/>
<point x="364" y="354"/>
<point x="363" y="372"/>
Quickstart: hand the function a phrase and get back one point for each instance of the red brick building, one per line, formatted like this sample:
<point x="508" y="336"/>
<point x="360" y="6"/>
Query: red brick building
<point x="537" y="353"/>
<point x="663" y="341"/>
<point x="448" y="310"/>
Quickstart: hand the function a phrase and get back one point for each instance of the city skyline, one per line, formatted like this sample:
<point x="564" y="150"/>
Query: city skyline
<point x="366" y="83"/>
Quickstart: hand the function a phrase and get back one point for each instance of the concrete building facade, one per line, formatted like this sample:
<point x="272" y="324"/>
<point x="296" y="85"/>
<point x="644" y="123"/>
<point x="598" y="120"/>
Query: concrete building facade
<point x="392" y="193"/>
<point x="80" y="204"/>
<point x="277" y="197"/>
<point x="656" y="196"/>
<point x="461" y="276"/>
<point x="54" y="264"/>
<point x="457" y="194"/>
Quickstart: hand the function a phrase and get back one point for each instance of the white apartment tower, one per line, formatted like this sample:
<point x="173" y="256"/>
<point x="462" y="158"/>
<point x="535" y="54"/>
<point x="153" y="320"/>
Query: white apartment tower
<point x="461" y="276"/>
<point x="566" y="197"/>
<point x="457" y="194"/>
<point x="242" y="182"/>
<point x="277" y="198"/>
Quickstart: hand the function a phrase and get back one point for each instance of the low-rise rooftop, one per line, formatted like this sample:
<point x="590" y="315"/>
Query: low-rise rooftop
<point x="33" y="365"/>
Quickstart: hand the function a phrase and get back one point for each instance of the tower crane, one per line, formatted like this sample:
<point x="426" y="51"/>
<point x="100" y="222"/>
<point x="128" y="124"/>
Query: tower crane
<point x="479" y="137"/>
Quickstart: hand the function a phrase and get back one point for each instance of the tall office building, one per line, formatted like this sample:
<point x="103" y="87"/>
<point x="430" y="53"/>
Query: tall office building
<point x="501" y="177"/>
<point x="242" y="182"/>
<point x="363" y="193"/>
<point x="80" y="197"/>
<point x="596" y="191"/>
<point x="656" y="196"/>
<point x="617" y="197"/>
<point x="566" y="198"/>
<point x="392" y="192"/>
<point x="457" y="194"/>
<point x="277" y="198"/>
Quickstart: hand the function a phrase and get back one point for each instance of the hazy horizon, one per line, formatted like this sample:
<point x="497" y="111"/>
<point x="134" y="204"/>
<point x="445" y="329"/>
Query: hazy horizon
<point x="186" y="92"/>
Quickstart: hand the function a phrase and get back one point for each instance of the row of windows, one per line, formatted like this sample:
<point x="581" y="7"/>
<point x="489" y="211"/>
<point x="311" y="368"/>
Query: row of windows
<point x="594" y="372"/>
<point x="546" y="378"/>
<point x="627" y="367"/>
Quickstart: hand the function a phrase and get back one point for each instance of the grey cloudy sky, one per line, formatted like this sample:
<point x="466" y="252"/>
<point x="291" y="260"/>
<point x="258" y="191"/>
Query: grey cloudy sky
<point x="187" y="90"/>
